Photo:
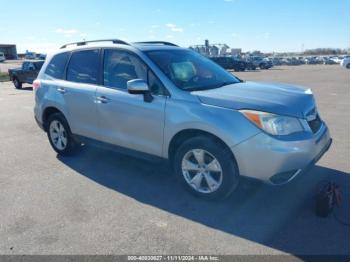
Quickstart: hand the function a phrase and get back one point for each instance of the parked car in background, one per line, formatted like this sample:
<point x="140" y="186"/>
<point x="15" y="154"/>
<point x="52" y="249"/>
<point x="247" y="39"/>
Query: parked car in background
<point x="346" y="62"/>
<point x="158" y="100"/>
<point x="311" y="60"/>
<point x="250" y="65"/>
<point x="230" y="63"/>
<point x="30" y="56"/>
<point x="2" y="57"/>
<point x="41" y="56"/>
<point x="336" y="59"/>
<point x="328" y="61"/>
<point x="293" y="61"/>
<point x="27" y="73"/>
<point x="262" y="63"/>
<point x="276" y="61"/>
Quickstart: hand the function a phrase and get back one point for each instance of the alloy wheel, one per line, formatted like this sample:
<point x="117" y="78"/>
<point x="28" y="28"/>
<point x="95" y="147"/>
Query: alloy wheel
<point x="202" y="171"/>
<point x="58" y="135"/>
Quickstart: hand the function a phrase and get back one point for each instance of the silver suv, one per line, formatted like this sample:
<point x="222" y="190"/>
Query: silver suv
<point x="157" y="99"/>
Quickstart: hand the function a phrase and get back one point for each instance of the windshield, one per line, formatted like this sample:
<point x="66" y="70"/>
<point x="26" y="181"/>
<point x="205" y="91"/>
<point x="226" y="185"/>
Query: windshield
<point x="191" y="71"/>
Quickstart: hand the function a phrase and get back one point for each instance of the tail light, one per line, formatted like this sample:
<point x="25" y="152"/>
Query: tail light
<point x="36" y="84"/>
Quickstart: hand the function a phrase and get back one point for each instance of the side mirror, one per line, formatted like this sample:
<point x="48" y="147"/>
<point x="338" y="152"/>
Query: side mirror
<point x="140" y="87"/>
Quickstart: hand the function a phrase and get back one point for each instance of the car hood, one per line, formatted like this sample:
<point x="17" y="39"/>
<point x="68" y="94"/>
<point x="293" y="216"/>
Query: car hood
<point x="279" y="99"/>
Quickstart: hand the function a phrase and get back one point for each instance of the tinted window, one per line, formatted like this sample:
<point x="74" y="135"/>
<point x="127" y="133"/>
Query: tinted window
<point x="120" y="67"/>
<point x="57" y="65"/>
<point x="38" y="65"/>
<point x="83" y="67"/>
<point x="25" y="66"/>
<point x="155" y="86"/>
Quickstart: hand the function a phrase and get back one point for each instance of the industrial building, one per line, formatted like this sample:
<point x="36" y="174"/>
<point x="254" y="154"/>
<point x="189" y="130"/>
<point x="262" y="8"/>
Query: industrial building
<point x="9" y="50"/>
<point x="214" y="50"/>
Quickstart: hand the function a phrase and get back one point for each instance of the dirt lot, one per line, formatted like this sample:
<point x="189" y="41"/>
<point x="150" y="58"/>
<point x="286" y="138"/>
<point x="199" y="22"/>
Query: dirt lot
<point x="101" y="202"/>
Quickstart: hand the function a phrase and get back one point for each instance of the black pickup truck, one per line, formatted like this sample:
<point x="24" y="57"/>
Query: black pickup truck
<point x="25" y="74"/>
<point x="233" y="63"/>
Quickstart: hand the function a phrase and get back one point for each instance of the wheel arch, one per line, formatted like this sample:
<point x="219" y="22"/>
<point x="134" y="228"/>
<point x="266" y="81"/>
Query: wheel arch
<point x="185" y="134"/>
<point x="48" y="112"/>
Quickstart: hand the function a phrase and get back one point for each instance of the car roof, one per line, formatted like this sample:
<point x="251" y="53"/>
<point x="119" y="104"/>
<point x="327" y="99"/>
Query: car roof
<point x="33" y="61"/>
<point x="115" y="43"/>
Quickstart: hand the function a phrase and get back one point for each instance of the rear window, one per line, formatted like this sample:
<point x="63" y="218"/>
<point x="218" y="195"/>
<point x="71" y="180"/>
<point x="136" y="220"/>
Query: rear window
<point x="38" y="65"/>
<point x="84" y="67"/>
<point x="57" y="65"/>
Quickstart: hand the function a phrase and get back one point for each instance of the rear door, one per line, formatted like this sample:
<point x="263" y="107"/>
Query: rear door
<point x="31" y="73"/>
<point x="127" y="120"/>
<point x="23" y="74"/>
<point x="79" y="90"/>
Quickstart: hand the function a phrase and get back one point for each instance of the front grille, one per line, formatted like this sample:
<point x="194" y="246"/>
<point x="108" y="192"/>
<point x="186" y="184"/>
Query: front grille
<point x="315" y="124"/>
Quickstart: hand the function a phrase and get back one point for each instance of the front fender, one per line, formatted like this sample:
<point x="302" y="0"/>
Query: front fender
<point x="227" y="124"/>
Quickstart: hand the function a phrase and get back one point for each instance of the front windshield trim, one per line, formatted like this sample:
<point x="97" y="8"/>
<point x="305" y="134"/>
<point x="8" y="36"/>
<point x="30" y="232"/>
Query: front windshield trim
<point x="202" y="74"/>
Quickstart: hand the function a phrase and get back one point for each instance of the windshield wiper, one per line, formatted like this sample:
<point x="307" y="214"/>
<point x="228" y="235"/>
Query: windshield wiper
<point x="210" y="87"/>
<point x="227" y="83"/>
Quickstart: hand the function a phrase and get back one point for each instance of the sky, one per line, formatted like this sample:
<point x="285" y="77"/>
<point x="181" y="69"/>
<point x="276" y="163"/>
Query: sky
<point x="266" y="25"/>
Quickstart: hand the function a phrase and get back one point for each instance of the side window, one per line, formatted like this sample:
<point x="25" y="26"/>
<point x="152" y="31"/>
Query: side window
<point x="120" y="67"/>
<point x="25" y="66"/>
<point x="155" y="85"/>
<point x="57" y="65"/>
<point x="84" y="66"/>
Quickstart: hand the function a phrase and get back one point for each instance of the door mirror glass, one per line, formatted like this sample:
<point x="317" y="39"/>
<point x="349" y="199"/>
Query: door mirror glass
<point x="137" y="86"/>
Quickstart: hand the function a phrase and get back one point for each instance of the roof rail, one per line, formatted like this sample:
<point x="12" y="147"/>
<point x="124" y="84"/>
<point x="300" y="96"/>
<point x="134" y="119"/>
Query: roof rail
<point x="114" y="41"/>
<point x="156" y="43"/>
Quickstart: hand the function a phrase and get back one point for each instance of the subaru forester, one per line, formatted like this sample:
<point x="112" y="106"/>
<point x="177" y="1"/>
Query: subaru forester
<point x="158" y="100"/>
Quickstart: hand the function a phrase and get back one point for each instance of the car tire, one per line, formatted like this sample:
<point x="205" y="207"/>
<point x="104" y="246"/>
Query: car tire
<point x="17" y="83"/>
<point x="223" y="174"/>
<point x="60" y="136"/>
<point x="348" y="66"/>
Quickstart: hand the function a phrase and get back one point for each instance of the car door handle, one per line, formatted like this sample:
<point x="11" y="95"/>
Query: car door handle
<point x="102" y="99"/>
<point x="61" y="90"/>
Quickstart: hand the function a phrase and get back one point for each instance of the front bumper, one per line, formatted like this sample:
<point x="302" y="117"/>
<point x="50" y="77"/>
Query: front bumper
<point x="278" y="162"/>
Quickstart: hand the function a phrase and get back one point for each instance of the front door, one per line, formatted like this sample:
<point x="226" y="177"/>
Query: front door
<point x="127" y="120"/>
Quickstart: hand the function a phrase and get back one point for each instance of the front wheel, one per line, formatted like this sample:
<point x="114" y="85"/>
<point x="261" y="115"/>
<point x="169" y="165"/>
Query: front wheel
<point x="17" y="83"/>
<point x="206" y="168"/>
<point x="60" y="136"/>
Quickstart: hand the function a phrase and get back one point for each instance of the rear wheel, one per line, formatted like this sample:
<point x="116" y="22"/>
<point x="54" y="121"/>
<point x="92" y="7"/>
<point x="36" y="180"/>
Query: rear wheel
<point x="262" y="66"/>
<point x="60" y="136"/>
<point x="206" y="168"/>
<point x="17" y="83"/>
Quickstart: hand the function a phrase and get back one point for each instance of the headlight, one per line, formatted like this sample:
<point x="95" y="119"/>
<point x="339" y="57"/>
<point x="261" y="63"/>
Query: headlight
<point x="274" y="124"/>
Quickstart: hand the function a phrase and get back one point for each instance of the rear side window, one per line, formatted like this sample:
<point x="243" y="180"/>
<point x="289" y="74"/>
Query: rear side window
<point x="57" y="65"/>
<point x="38" y="65"/>
<point x="25" y="66"/>
<point x="84" y="67"/>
